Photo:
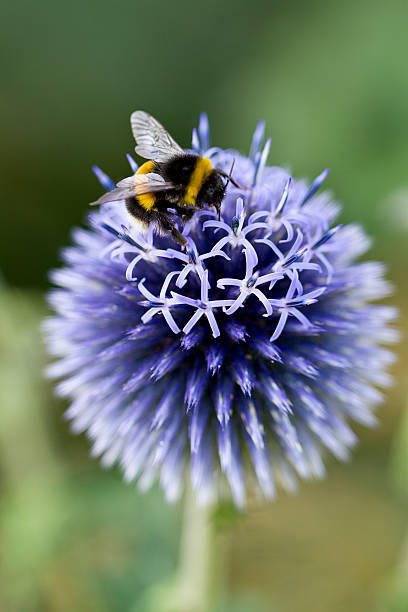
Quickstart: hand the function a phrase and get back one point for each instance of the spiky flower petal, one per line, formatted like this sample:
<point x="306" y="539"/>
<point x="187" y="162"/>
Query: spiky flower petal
<point x="236" y="360"/>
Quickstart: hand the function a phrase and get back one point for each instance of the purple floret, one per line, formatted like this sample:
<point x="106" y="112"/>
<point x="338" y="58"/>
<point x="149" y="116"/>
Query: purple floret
<point x="240" y="360"/>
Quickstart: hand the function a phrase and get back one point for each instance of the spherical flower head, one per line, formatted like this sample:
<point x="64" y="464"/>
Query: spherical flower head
<point x="236" y="362"/>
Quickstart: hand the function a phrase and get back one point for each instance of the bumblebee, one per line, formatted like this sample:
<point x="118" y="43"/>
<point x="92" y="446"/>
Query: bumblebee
<point x="171" y="179"/>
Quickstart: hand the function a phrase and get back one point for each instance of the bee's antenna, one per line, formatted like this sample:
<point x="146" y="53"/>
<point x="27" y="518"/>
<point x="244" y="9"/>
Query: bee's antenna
<point x="229" y="177"/>
<point x="230" y="173"/>
<point x="218" y="209"/>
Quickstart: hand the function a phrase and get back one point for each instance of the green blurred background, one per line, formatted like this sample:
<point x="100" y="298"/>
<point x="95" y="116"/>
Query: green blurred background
<point x="331" y="80"/>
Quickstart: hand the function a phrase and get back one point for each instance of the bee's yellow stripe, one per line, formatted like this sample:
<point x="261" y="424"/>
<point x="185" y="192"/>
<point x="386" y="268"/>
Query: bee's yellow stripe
<point x="200" y="174"/>
<point x="146" y="200"/>
<point x="146" y="167"/>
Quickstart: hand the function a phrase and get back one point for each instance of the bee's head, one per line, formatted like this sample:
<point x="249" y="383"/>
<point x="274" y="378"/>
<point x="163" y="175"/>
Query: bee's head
<point x="213" y="190"/>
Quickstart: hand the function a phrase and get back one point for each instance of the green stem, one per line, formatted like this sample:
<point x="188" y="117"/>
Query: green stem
<point x="195" y="583"/>
<point x="199" y="577"/>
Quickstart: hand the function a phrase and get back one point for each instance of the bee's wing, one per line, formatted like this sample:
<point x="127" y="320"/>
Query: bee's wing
<point x="117" y="194"/>
<point x="135" y="185"/>
<point x="152" y="140"/>
<point x="149" y="183"/>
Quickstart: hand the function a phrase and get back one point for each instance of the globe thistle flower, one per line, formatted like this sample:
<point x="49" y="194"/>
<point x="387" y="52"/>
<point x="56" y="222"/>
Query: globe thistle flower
<point x="238" y="361"/>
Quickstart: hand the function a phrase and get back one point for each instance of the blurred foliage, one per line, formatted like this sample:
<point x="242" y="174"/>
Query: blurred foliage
<point x="225" y="515"/>
<point x="394" y="592"/>
<point x="328" y="77"/>
<point x="331" y="81"/>
<point x="400" y="458"/>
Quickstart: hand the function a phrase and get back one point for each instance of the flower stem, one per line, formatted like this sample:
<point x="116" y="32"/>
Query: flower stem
<point x="199" y="577"/>
<point x="196" y="575"/>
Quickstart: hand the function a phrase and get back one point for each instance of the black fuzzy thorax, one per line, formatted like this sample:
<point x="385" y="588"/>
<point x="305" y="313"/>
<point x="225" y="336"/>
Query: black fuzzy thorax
<point x="177" y="170"/>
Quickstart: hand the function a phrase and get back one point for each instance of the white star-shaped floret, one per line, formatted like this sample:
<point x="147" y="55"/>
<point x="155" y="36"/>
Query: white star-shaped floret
<point x="292" y="260"/>
<point x="235" y="233"/>
<point x="193" y="261"/>
<point x="160" y="304"/>
<point x="204" y="307"/>
<point x="249" y="285"/>
<point x="142" y="247"/>
<point x="289" y="305"/>
<point x="273" y="221"/>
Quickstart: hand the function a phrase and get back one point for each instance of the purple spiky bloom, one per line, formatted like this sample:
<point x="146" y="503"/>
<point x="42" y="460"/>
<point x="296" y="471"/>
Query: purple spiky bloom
<point x="239" y="360"/>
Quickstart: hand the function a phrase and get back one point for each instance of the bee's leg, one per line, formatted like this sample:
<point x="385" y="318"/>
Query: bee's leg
<point x="186" y="212"/>
<point x="186" y="216"/>
<point x="178" y="237"/>
<point x="168" y="226"/>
